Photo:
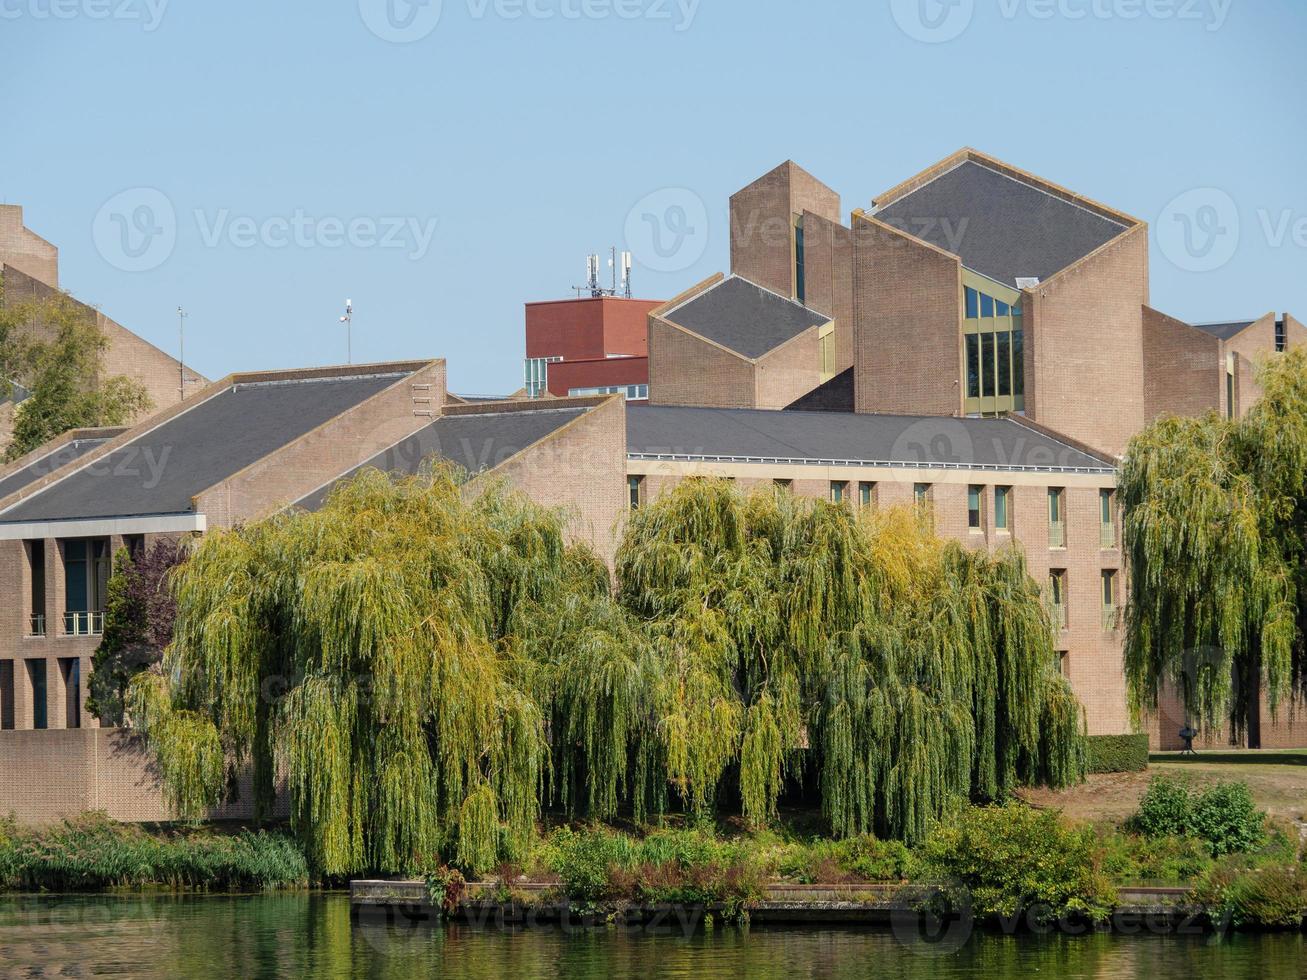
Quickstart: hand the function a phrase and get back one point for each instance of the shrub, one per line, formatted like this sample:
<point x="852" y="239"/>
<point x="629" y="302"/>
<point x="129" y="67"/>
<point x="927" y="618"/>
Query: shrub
<point x="1266" y="898"/>
<point x="1012" y="860"/>
<point x="582" y="858"/>
<point x="1172" y="859"/>
<point x="1117" y="753"/>
<point x="1224" y="815"/>
<point x="862" y="858"/>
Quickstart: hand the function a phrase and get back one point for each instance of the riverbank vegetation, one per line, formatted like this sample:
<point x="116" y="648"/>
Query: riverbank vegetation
<point x="432" y="670"/>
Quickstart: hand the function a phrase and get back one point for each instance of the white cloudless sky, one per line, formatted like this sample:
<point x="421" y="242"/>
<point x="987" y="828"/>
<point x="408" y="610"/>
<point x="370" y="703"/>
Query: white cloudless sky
<point x="521" y="134"/>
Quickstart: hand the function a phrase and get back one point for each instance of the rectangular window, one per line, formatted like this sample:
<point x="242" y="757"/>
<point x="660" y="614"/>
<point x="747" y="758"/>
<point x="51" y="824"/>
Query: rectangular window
<point x="36" y="597"/>
<point x="1018" y="364"/>
<point x="866" y="494"/>
<point x="1057" y="597"/>
<point x="1056" y="518"/>
<point x="36" y="684"/>
<point x="786" y="485"/>
<point x="1110" y="613"/>
<point x="70" y="673"/>
<point x="86" y="583"/>
<point x="1229" y="387"/>
<point x="1001" y="308"/>
<point x="1002" y="506"/>
<point x="1062" y="663"/>
<point x="987" y="365"/>
<point x="1280" y="337"/>
<point x="921" y="494"/>
<point x="973" y="508"/>
<point x="986" y="306"/>
<point x="973" y="365"/>
<point x="635" y="491"/>
<point x="1106" y="519"/>
<point x="838" y="491"/>
<point x="6" y="695"/>
<point x="800" y="290"/>
<point x="1004" y="364"/>
<point x="973" y="303"/>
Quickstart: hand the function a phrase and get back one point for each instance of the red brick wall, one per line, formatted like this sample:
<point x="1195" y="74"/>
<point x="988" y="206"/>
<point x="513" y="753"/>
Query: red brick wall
<point x="1184" y="371"/>
<point x="828" y="279"/>
<point x="685" y="369"/>
<point x="25" y="250"/>
<point x="588" y="327"/>
<point x="594" y="372"/>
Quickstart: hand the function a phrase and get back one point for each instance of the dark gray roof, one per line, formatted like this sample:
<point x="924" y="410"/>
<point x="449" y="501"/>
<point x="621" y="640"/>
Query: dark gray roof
<point x="816" y="437"/>
<point x="162" y="469"/>
<point x="999" y="226"/>
<point x="744" y="317"/>
<point x="474" y="442"/>
<point x="47" y="464"/>
<point x="835" y="395"/>
<point x="1225" y="330"/>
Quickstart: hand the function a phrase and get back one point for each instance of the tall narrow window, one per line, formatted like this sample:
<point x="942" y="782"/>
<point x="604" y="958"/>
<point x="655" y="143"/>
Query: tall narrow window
<point x="973" y="365"/>
<point x="1106" y="519"/>
<point x="987" y="378"/>
<point x="866" y="494"/>
<point x="921" y="494"/>
<point x="1002" y="508"/>
<point x="1057" y="597"/>
<point x="70" y="673"/>
<point x="1229" y="386"/>
<point x="86" y="583"/>
<point x="6" y="695"/>
<point x="36" y="596"/>
<point x="973" y="303"/>
<point x="974" y="521"/>
<point x="36" y="684"/>
<point x="1004" y="364"/>
<point x="839" y="489"/>
<point x="1056" y="518"/>
<point x="635" y="490"/>
<point x="1110" y="614"/>
<point x="1018" y="362"/>
<point x="986" y="306"/>
<point x="800" y="286"/>
<point x="1280" y="337"/>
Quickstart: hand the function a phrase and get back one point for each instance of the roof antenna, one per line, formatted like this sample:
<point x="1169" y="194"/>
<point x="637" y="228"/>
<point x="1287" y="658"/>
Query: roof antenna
<point x="181" y="354"/>
<point x="348" y="320"/>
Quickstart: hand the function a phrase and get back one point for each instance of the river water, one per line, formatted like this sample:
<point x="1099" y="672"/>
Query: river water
<point x="311" y="935"/>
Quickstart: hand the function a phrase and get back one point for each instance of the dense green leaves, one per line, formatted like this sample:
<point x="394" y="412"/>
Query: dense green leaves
<point x="428" y="668"/>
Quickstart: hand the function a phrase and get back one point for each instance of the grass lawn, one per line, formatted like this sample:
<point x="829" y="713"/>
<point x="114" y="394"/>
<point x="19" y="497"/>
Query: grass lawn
<point x="1277" y="778"/>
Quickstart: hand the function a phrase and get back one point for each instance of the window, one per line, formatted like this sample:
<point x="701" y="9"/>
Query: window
<point x="1056" y="518"/>
<point x="36" y="682"/>
<point x="1057" y="597"/>
<point x="1062" y="664"/>
<point x="36" y="596"/>
<point x="536" y="375"/>
<point x="1106" y="519"/>
<point x="633" y="393"/>
<point x="839" y="490"/>
<point x="70" y="672"/>
<point x="1229" y="386"/>
<point x="973" y="365"/>
<point x="1110" y="612"/>
<point x="785" y="485"/>
<point x="987" y="365"/>
<point x="635" y="491"/>
<point x="921" y="494"/>
<point x="86" y="581"/>
<point x="994" y="374"/>
<point x="135" y="545"/>
<point x="974" y="521"/>
<point x="866" y="494"/>
<point x="6" y="695"/>
<point x="1002" y="508"/>
<point x="1018" y="362"/>
<point x="1280" y="337"/>
<point x="1004" y="356"/>
<point x="800" y="289"/>
<point x="973" y="303"/>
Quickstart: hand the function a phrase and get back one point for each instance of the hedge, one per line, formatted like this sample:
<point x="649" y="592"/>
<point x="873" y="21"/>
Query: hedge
<point x="1118" y="753"/>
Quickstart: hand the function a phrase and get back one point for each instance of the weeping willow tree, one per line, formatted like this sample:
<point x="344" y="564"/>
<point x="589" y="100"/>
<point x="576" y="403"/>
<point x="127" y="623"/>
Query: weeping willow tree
<point x="1215" y="531"/>
<point x="428" y="669"/>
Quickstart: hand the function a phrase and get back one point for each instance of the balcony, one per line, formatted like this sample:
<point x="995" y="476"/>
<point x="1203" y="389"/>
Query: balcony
<point x="1058" y="612"/>
<point x="1107" y="536"/>
<point x="1057" y="534"/>
<point x="1111" y="618"/>
<point x="36" y="625"/>
<point x="83" y="623"/>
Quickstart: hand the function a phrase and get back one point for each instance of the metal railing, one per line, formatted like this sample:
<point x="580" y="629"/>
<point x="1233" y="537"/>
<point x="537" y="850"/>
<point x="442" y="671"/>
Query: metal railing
<point x="1057" y="534"/>
<point x="1107" y="536"/>
<point x="37" y="626"/>
<point x="83" y="623"/>
<point x="1058" y="611"/>
<point x="1111" y="617"/>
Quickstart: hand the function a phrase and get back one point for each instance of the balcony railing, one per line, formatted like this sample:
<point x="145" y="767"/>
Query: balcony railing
<point x="83" y="623"/>
<point x="1057" y="534"/>
<point x="1058" y="612"/>
<point x="1107" y="536"/>
<point x="1111" y="618"/>
<point x="37" y="627"/>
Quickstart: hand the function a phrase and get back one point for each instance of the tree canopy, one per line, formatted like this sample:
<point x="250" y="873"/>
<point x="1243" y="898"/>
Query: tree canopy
<point x="54" y="349"/>
<point x="429" y="668"/>
<point x="1215" y="532"/>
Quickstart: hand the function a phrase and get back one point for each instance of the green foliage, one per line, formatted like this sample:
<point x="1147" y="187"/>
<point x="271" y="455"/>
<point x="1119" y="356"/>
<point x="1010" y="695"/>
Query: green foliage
<point x="1167" y="859"/>
<point x="1224" y="816"/>
<point x="1272" y="897"/>
<point x="93" y="853"/>
<point x="1215" y="532"/>
<point x="853" y="859"/>
<point x="1012" y="860"/>
<point x="445" y="888"/>
<point x="59" y="359"/>
<point x="1117" y="753"/>
<point x="445" y="666"/>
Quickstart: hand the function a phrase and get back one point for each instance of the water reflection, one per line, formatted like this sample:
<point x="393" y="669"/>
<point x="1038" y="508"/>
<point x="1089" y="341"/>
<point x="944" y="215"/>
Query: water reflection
<point x="312" y="935"/>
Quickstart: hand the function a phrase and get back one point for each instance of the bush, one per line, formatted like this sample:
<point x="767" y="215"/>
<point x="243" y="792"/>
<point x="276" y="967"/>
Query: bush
<point x="1266" y="898"/>
<point x="1117" y="753"/>
<point x="1170" y="859"/>
<point x="1224" y="816"/>
<point x="1012" y="860"/>
<point x="862" y="858"/>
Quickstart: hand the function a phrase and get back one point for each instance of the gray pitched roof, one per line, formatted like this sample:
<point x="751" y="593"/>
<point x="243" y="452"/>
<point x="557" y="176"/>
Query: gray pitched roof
<point x="47" y="464"/>
<point x="744" y="317"/>
<point x="474" y="442"/>
<point x="860" y="439"/>
<point x="999" y="226"/>
<point x="162" y="469"/>
<point x="1225" y="330"/>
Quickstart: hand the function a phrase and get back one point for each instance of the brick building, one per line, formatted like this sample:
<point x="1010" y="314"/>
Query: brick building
<point x="593" y="345"/>
<point x="29" y="272"/>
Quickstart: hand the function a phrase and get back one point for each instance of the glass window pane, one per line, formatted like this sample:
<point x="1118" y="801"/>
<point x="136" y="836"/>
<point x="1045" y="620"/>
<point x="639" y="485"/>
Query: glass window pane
<point x="987" y="365"/>
<point x="973" y="304"/>
<point x="1018" y="364"/>
<point x="986" y="305"/>
<point x="1001" y="308"/>
<point x="1004" y="364"/>
<point x="973" y="507"/>
<point x="1000" y="508"/>
<point x="973" y="365"/>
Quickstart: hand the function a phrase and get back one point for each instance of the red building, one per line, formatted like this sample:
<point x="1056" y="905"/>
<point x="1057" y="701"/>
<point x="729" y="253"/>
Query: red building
<point x="588" y="346"/>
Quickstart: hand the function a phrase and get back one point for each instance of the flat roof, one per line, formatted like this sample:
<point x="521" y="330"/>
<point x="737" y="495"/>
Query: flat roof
<point x="47" y="464"/>
<point x="475" y="442"/>
<point x="161" y="470"/>
<point x="998" y="225"/>
<point x="1224" y="331"/>
<point x="825" y="438"/>
<point x="744" y="317"/>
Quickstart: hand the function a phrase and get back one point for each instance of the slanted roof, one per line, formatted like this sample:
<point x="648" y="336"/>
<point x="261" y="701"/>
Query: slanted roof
<point x="46" y="463"/>
<point x="1003" y="227"/>
<point x="759" y="435"/>
<point x="475" y="442"/>
<point x="835" y="395"/>
<point x="1224" y="331"/>
<point x="744" y="317"/>
<point x="163" y="468"/>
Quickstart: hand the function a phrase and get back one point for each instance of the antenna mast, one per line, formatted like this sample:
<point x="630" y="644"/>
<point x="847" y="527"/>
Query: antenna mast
<point x="615" y="263"/>
<point x="181" y="354"/>
<point x="348" y="320"/>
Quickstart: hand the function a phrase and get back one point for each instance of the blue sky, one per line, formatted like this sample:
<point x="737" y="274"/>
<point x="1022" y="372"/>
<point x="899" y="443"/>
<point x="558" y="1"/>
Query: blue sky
<point x="259" y="162"/>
